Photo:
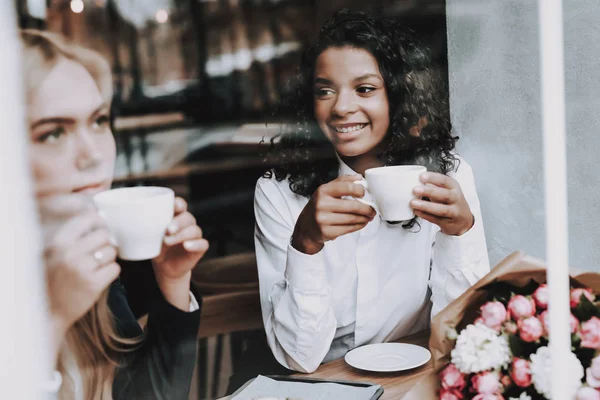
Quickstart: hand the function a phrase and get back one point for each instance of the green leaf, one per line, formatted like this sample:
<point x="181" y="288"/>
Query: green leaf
<point x="502" y="291"/>
<point x="585" y="310"/>
<point x="520" y="348"/>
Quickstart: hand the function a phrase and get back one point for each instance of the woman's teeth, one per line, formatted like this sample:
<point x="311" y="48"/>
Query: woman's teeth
<point x="350" y="128"/>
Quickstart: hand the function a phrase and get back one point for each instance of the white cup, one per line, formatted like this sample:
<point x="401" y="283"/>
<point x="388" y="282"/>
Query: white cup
<point x="392" y="189"/>
<point x="137" y="218"/>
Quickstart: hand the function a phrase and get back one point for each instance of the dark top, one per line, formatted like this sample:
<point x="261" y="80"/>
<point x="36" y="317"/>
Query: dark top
<point x="163" y="364"/>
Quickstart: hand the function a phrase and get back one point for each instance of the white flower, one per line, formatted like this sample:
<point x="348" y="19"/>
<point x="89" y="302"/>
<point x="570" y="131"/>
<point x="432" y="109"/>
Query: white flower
<point x="479" y="348"/>
<point x="541" y="371"/>
<point x="523" y="396"/>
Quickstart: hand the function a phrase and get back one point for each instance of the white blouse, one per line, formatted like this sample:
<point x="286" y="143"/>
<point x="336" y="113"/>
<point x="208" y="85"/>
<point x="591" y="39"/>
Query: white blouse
<point x="376" y="284"/>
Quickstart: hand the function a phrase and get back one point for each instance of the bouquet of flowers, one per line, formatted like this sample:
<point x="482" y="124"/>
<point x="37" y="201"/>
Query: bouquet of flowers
<point x="492" y="342"/>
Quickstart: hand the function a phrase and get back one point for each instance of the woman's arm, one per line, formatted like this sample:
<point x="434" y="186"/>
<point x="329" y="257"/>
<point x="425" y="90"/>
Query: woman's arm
<point x="295" y="296"/>
<point x="163" y="364"/>
<point x="458" y="262"/>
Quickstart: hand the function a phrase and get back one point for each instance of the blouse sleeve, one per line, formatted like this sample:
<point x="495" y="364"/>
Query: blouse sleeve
<point x="162" y="365"/>
<point x="295" y="296"/>
<point x="458" y="262"/>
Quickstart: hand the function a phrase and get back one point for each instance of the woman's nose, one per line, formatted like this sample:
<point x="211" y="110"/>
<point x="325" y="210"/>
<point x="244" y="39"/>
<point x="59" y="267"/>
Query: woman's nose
<point x="88" y="154"/>
<point x="344" y="104"/>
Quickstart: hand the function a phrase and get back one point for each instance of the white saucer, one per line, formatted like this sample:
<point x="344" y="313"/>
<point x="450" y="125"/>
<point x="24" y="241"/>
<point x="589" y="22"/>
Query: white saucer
<point x="388" y="357"/>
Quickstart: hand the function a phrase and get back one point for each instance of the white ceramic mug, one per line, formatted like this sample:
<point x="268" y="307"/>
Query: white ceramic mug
<point x="392" y="189"/>
<point x="137" y="218"/>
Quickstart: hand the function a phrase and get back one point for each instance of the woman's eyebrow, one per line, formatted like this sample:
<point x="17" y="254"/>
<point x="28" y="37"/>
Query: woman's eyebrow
<point x="323" y="81"/>
<point x="52" y="120"/>
<point x="366" y="76"/>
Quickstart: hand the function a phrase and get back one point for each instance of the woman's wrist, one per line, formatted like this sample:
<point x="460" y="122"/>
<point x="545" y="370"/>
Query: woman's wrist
<point x="176" y="290"/>
<point x="58" y="330"/>
<point x="305" y="245"/>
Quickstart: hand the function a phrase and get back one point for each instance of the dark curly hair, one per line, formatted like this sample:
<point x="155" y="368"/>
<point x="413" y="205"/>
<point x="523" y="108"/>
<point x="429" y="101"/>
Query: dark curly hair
<point x="416" y="92"/>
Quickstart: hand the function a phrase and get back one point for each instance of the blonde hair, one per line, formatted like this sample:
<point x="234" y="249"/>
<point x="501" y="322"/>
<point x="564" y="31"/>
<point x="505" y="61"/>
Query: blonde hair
<point x="91" y="349"/>
<point x="42" y="50"/>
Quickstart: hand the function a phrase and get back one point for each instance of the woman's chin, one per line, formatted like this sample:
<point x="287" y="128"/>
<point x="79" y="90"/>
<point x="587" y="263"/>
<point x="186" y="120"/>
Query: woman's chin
<point x="350" y="149"/>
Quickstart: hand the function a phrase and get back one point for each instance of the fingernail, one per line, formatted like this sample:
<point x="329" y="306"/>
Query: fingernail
<point x="172" y="228"/>
<point x="113" y="240"/>
<point x="415" y="203"/>
<point x="424" y="176"/>
<point x="169" y="240"/>
<point x="192" y="245"/>
<point x="419" y="190"/>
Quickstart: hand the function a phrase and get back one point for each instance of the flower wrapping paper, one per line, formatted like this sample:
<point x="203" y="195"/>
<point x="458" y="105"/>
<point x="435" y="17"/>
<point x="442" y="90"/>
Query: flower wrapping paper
<point x="517" y="269"/>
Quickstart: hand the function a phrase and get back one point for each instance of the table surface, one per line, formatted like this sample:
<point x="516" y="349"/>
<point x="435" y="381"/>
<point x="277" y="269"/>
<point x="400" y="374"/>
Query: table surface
<point x="395" y="384"/>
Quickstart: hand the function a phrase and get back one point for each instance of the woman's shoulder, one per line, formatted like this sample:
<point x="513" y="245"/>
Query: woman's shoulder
<point x="269" y="181"/>
<point x="271" y="187"/>
<point x="460" y="165"/>
<point x="461" y="170"/>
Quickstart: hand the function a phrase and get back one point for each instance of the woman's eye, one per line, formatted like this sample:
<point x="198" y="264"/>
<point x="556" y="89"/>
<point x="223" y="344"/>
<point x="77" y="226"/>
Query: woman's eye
<point x="53" y="136"/>
<point x="365" y="89"/>
<point x="102" y="121"/>
<point x="322" y="92"/>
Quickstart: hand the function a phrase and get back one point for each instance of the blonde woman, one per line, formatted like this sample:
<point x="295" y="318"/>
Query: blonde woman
<point x="101" y="352"/>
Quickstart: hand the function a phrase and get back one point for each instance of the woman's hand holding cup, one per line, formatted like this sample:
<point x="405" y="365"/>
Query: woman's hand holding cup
<point x="329" y="215"/>
<point x="183" y="246"/>
<point x="447" y="207"/>
<point x="79" y="258"/>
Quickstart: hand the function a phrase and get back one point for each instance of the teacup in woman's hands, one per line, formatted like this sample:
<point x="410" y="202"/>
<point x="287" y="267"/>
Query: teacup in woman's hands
<point x="392" y="189"/>
<point x="137" y="218"/>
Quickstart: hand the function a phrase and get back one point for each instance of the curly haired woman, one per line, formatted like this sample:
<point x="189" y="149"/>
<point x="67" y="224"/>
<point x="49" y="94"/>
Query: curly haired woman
<point x="333" y="274"/>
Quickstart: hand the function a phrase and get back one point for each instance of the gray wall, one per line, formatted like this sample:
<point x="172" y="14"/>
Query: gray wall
<point x="494" y="72"/>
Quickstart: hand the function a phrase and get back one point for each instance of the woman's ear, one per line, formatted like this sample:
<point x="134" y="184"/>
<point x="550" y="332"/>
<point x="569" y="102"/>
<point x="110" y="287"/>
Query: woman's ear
<point x="416" y="129"/>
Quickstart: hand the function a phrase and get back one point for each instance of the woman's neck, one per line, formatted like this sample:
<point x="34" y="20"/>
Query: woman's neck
<point x="360" y="164"/>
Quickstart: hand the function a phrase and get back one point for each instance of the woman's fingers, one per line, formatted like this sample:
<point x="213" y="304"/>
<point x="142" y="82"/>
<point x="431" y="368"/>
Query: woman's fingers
<point x="436" y="194"/>
<point x="196" y="246"/>
<point x="430" y="217"/>
<point x="92" y="242"/>
<point x="436" y="209"/>
<point x="72" y="230"/>
<point x="181" y="205"/>
<point x="336" y="231"/>
<point x="180" y="222"/>
<point x="343" y="189"/>
<point x="192" y="232"/>
<point x="333" y="218"/>
<point x="437" y="179"/>
<point x="104" y="276"/>
<point x="63" y="206"/>
<point x="347" y="206"/>
<point x="103" y="256"/>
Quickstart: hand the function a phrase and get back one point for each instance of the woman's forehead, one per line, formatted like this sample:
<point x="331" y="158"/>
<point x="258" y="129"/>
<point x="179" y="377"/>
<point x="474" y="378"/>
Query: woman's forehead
<point x="67" y="91"/>
<point x="347" y="62"/>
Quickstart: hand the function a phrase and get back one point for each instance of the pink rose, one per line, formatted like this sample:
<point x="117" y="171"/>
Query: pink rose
<point x="545" y="318"/>
<point x="590" y="333"/>
<point x="452" y="378"/>
<point x="541" y="296"/>
<point x="486" y="382"/>
<point x="510" y="327"/>
<point x="577" y="293"/>
<point x="521" y="372"/>
<point x="493" y="314"/>
<point x="451" y="394"/>
<point x="587" y="393"/>
<point x="530" y="329"/>
<point x="520" y="307"/>
<point x="592" y="374"/>
<point x="488" y="396"/>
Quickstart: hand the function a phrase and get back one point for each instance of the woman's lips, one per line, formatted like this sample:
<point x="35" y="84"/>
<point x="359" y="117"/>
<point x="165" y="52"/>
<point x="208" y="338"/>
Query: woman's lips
<point x="348" y="131"/>
<point x="91" y="189"/>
